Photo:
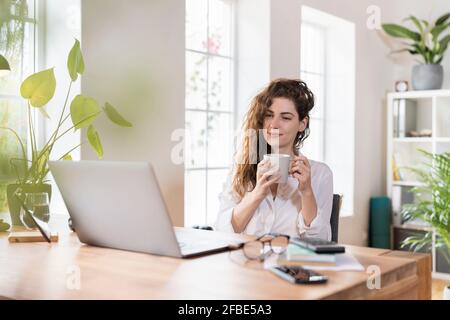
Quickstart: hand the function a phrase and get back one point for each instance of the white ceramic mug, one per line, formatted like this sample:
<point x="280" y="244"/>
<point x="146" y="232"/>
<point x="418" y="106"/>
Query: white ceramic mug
<point x="280" y="161"/>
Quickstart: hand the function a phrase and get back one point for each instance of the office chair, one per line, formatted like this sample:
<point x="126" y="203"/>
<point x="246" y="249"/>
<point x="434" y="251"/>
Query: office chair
<point x="334" y="219"/>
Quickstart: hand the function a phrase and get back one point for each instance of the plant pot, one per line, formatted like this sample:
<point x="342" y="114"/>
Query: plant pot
<point x="13" y="203"/>
<point x="446" y="294"/>
<point x="427" y="77"/>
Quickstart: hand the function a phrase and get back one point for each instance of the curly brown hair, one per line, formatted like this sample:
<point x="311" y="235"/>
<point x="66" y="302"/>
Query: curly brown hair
<point x="297" y="91"/>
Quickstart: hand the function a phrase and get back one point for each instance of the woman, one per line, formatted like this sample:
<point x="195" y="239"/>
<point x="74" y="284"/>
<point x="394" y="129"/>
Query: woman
<point x="253" y="201"/>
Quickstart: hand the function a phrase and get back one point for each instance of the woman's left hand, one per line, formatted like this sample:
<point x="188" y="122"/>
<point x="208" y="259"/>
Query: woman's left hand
<point x="301" y="170"/>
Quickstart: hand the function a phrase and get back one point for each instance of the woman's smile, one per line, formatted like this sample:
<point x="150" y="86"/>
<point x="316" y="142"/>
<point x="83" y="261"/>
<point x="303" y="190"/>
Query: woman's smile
<point x="274" y="134"/>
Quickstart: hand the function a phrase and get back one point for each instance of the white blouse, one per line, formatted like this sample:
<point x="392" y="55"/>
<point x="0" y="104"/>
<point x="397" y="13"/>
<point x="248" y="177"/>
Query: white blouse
<point x="283" y="215"/>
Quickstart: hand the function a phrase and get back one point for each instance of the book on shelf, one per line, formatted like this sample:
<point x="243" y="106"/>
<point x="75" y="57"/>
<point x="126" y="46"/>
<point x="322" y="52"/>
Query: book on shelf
<point x="395" y="118"/>
<point x="397" y="167"/>
<point x="405" y="117"/>
<point x="298" y="256"/>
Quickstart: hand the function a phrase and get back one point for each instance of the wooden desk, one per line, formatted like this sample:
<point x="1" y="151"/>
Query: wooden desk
<point x="47" y="271"/>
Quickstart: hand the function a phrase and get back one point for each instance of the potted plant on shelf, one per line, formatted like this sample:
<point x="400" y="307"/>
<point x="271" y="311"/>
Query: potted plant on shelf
<point x="38" y="89"/>
<point x="432" y="203"/>
<point x="428" y="42"/>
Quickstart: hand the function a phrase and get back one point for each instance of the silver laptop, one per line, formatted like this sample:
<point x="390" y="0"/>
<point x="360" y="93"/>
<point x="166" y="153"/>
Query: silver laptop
<point x="120" y="205"/>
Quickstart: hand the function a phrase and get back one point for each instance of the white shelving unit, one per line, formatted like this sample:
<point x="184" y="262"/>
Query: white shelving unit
<point x="410" y="113"/>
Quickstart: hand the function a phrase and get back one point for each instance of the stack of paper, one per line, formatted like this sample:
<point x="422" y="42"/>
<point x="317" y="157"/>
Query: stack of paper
<point x="343" y="262"/>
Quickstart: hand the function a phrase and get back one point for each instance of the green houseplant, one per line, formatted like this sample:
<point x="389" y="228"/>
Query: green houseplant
<point x="38" y="89"/>
<point x="429" y="42"/>
<point x="432" y="203"/>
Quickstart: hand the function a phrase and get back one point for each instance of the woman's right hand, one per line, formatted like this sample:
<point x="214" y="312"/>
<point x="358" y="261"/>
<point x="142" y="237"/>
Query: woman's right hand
<point x="266" y="176"/>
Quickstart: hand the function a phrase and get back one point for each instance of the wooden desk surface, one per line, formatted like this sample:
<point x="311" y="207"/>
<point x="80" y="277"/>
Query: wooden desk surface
<point x="49" y="271"/>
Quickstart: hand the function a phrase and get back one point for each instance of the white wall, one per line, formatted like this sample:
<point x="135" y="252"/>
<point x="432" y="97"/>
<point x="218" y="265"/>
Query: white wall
<point x="134" y="57"/>
<point x="375" y="75"/>
<point x="252" y="51"/>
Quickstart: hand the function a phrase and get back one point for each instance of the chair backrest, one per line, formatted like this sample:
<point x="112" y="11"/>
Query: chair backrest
<point x="334" y="219"/>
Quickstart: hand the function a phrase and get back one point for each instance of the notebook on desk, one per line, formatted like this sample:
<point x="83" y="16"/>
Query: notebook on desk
<point x="119" y="205"/>
<point x="299" y="256"/>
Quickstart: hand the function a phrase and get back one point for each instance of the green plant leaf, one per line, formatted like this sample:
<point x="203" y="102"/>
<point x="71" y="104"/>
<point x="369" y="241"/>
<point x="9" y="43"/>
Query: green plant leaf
<point x="75" y="61"/>
<point x="39" y="88"/>
<point x="442" y="19"/>
<point x="115" y="116"/>
<point x="83" y="111"/>
<point x="4" y="226"/>
<point x="67" y="157"/>
<point x="437" y="30"/>
<point x="444" y="44"/>
<point x="398" y="31"/>
<point x="416" y="22"/>
<point x="94" y="141"/>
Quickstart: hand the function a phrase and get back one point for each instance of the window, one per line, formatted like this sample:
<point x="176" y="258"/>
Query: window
<point x="312" y="71"/>
<point x="17" y="44"/>
<point x="328" y="67"/>
<point x="209" y="106"/>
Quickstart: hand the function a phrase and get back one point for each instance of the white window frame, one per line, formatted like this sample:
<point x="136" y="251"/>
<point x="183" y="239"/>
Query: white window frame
<point x="233" y="112"/>
<point x="343" y="169"/>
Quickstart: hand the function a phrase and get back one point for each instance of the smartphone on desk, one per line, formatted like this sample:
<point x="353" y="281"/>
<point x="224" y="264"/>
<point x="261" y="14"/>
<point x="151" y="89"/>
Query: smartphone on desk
<point x="319" y="245"/>
<point x="299" y="275"/>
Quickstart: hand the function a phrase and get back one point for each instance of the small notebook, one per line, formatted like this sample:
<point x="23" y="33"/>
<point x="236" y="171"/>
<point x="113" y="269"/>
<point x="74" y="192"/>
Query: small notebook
<point x="296" y="255"/>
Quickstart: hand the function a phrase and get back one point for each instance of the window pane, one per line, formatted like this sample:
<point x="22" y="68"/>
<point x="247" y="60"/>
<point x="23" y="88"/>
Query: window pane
<point x="312" y="49"/>
<point x="313" y="145"/>
<point x="194" y="197"/>
<point x="13" y="113"/>
<point x="219" y="37"/>
<point x="17" y="45"/>
<point x="195" y="154"/>
<point x="196" y="24"/>
<point x="22" y="8"/>
<point x="195" y="80"/>
<point x="28" y="51"/>
<point x="220" y="139"/>
<point x="219" y="84"/>
<point x="216" y="180"/>
<point x="316" y="84"/>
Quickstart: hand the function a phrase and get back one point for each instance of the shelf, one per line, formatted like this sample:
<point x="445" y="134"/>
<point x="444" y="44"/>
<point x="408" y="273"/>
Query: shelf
<point x="413" y="113"/>
<point x="413" y="227"/>
<point x="414" y="139"/>
<point x="419" y="139"/>
<point x="419" y="94"/>
<point x="407" y="183"/>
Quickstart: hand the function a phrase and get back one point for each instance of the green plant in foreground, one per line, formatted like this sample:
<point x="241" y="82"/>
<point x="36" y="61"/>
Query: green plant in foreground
<point x="4" y="226"/>
<point x="38" y="89"/>
<point x="425" y="41"/>
<point x="435" y="210"/>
